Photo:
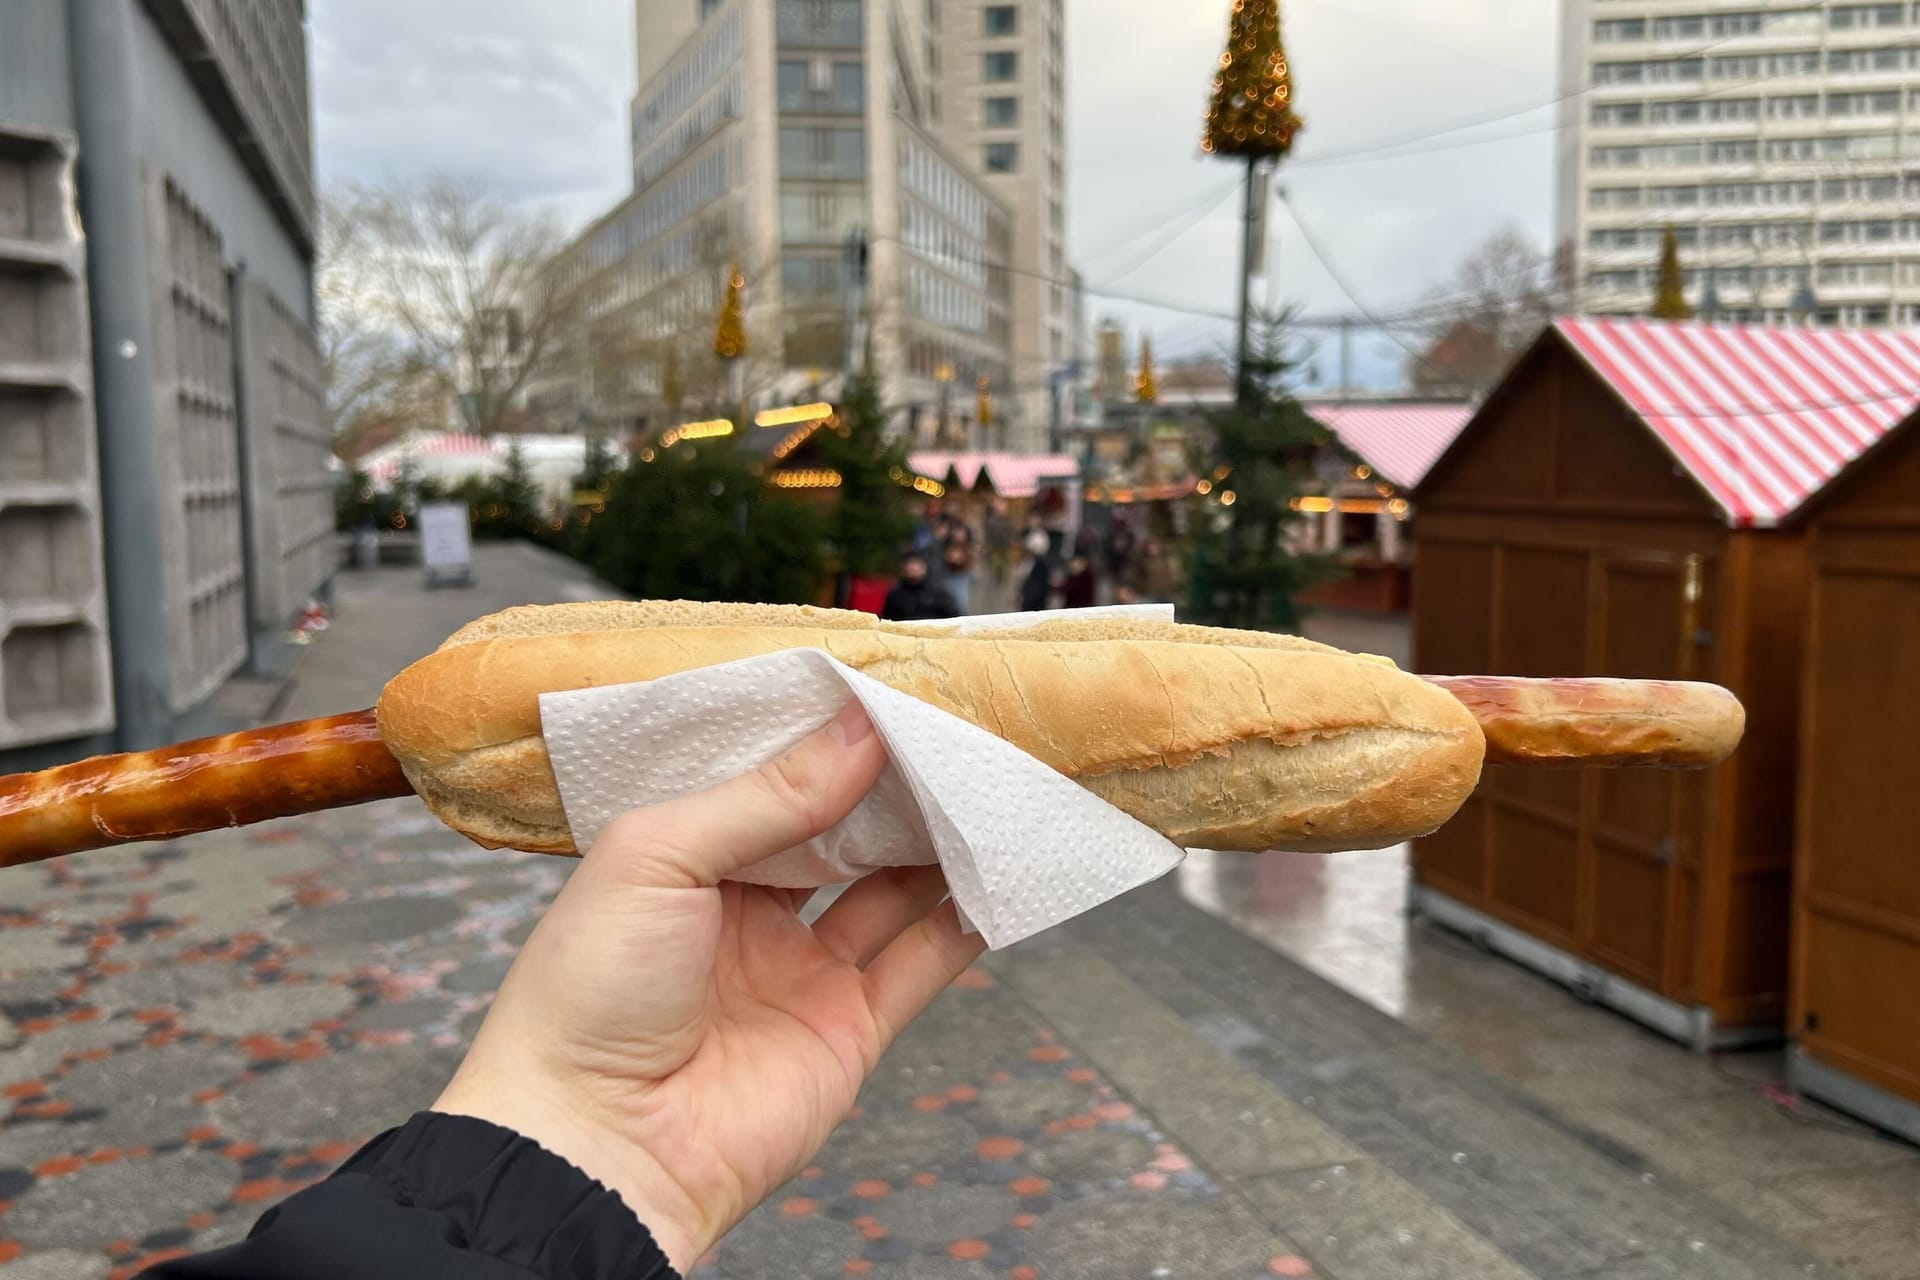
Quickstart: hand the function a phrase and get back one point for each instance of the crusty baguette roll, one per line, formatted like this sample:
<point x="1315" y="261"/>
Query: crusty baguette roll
<point x="1215" y="746"/>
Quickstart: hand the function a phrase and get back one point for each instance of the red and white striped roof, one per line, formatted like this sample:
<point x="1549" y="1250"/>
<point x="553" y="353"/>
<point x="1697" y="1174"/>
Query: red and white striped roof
<point x="384" y="463"/>
<point x="1011" y="475"/>
<point x="1399" y="441"/>
<point x="1763" y="418"/>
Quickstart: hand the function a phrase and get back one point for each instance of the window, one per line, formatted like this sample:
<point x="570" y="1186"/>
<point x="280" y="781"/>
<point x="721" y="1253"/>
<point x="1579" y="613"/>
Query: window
<point x="823" y="153"/>
<point x="1875" y="231"/>
<point x="822" y="24"/>
<point x="1730" y="110"/>
<point x="1608" y="30"/>
<point x="707" y="7"/>
<point x="1856" y="17"/>
<point x="849" y="86"/>
<point x="1002" y="157"/>
<point x="1618" y="114"/>
<point x="998" y="113"/>
<point x="1798" y="106"/>
<point x="811" y="279"/>
<point x="1686" y="27"/>
<point x="1673" y="112"/>
<point x="1883" y="103"/>
<point x="1673" y="197"/>
<point x="1856" y="273"/>
<point x="792" y="82"/>
<point x="1851" y="189"/>
<point x="1857" y="61"/>
<point x="999" y="67"/>
<point x="1000" y="20"/>
<point x="1615" y="198"/>
<point x="1744" y="151"/>
<point x="819" y="217"/>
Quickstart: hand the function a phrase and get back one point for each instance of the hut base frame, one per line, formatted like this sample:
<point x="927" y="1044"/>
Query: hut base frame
<point x="1891" y="1112"/>
<point x="1690" y="1026"/>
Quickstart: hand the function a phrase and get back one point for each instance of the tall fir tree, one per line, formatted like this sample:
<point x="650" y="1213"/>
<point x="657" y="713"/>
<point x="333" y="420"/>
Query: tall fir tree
<point x="518" y="493"/>
<point x="1243" y="573"/>
<point x="597" y="468"/>
<point x="1670" y="291"/>
<point x="872" y="517"/>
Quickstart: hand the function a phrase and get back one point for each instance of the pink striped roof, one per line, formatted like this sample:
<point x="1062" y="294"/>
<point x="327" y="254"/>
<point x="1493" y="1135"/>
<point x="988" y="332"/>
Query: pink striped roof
<point x="1012" y="475"/>
<point x="1399" y="441"/>
<point x="1763" y="418"/>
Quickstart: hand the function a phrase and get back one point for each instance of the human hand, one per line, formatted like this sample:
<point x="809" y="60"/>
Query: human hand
<point x="691" y="1043"/>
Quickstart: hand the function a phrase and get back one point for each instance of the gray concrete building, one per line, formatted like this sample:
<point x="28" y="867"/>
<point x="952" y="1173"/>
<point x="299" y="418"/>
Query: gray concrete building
<point x="768" y="134"/>
<point x="1002" y="67"/>
<point x="1779" y="138"/>
<point x="165" y="504"/>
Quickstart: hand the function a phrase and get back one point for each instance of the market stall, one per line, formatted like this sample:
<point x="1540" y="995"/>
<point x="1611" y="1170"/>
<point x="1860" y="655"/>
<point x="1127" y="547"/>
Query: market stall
<point x="1616" y="509"/>
<point x="1856" y="918"/>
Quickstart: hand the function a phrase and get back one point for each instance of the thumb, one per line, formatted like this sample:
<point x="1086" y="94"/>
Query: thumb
<point x="698" y="840"/>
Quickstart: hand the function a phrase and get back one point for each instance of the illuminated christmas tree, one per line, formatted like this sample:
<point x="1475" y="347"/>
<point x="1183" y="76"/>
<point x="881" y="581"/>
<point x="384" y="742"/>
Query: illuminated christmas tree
<point x="1145" y="389"/>
<point x="1669" y="293"/>
<point x="730" y="338"/>
<point x="1252" y="109"/>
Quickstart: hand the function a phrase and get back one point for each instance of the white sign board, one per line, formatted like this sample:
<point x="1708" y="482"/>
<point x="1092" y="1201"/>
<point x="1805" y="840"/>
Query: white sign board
<point x="446" y="542"/>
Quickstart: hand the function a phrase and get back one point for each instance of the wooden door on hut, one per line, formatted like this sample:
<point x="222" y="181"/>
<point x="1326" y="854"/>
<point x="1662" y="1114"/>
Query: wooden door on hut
<point x="1616" y="508"/>
<point x="1857" y="884"/>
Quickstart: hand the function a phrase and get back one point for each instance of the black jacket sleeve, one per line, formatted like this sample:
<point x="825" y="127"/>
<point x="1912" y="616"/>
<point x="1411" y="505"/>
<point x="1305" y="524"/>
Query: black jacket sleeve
<point x="442" y="1197"/>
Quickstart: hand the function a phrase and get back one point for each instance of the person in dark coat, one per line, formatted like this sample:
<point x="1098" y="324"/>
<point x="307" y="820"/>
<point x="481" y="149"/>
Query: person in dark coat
<point x="636" y="1088"/>
<point x="916" y="597"/>
<point x="1081" y="588"/>
<point x="1037" y="587"/>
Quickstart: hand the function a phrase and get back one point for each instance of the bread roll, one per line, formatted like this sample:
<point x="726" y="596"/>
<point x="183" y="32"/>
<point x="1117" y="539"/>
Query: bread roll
<point x="1214" y="746"/>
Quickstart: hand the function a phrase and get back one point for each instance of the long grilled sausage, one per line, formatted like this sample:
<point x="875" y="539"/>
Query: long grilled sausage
<point x="228" y="781"/>
<point x="1599" y="723"/>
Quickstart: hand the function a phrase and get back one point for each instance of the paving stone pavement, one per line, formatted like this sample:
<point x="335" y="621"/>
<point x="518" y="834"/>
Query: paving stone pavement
<point x="192" y="1031"/>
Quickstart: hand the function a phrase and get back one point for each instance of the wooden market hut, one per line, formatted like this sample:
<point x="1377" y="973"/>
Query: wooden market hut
<point x="1856" y="902"/>
<point x="1625" y="504"/>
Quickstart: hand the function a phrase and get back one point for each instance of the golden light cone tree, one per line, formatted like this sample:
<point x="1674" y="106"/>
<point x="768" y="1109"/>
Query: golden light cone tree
<point x="1251" y="113"/>
<point x="1146" y="388"/>
<point x="730" y="337"/>
<point x="1669" y="292"/>
<point x="983" y="401"/>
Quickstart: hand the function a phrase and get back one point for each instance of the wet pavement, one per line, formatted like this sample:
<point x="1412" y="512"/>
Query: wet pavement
<point x="1155" y="1090"/>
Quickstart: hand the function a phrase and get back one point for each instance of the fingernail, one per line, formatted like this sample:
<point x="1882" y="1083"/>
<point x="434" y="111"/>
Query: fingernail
<point x="851" y="725"/>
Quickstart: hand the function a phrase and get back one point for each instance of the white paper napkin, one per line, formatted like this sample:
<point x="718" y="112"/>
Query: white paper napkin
<point x="1023" y="847"/>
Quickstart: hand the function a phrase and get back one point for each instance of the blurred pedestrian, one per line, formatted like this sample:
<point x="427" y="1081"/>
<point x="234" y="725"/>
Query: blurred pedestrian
<point x="916" y="597"/>
<point x="1120" y="550"/>
<point x="1081" y="588"/>
<point x="1154" y="576"/>
<point x="957" y="562"/>
<point x="999" y="541"/>
<point x="1036" y="586"/>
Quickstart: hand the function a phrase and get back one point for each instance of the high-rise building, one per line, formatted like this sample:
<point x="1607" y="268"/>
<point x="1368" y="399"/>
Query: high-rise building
<point x="166" y="507"/>
<point x="1002" y="68"/>
<point x="1779" y="139"/>
<point x="830" y="149"/>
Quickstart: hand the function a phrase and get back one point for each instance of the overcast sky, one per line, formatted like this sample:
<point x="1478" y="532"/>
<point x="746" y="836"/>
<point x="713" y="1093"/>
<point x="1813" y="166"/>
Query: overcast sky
<point x="532" y="98"/>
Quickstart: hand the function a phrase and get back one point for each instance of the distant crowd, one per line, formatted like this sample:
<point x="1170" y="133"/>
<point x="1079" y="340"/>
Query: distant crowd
<point x="941" y="571"/>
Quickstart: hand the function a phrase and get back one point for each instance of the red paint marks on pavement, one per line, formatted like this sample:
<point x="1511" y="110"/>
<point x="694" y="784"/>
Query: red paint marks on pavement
<point x="1172" y="1162"/>
<point x="856" y="1266"/>
<point x="200" y="1221"/>
<point x="1028" y="1186"/>
<point x="969" y="1250"/>
<point x="240" y="1151"/>
<point x="208" y="1095"/>
<point x="925" y="1179"/>
<point x="928" y="1102"/>
<point x="57" y="1167"/>
<point x="1113" y="1111"/>
<point x="964" y="1093"/>
<point x="9" y="1250"/>
<point x="998" y="1148"/>
<point x="260" y="1189"/>
<point x="1082" y="1122"/>
<point x="872" y="1189"/>
<point x="812" y="1171"/>
<point x="1148" y="1181"/>
<point x="797" y="1207"/>
<point x="1083" y="1075"/>
<point x="1024" y="1273"/>
<point x="205" y="1133"/>
<point x="1291" y="1266"/>
<point x="1025" y="1221"/>
<point x="1049" y="1053"/>
<point x="333" y="1152"/>
<point x="24" y="1089"/>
